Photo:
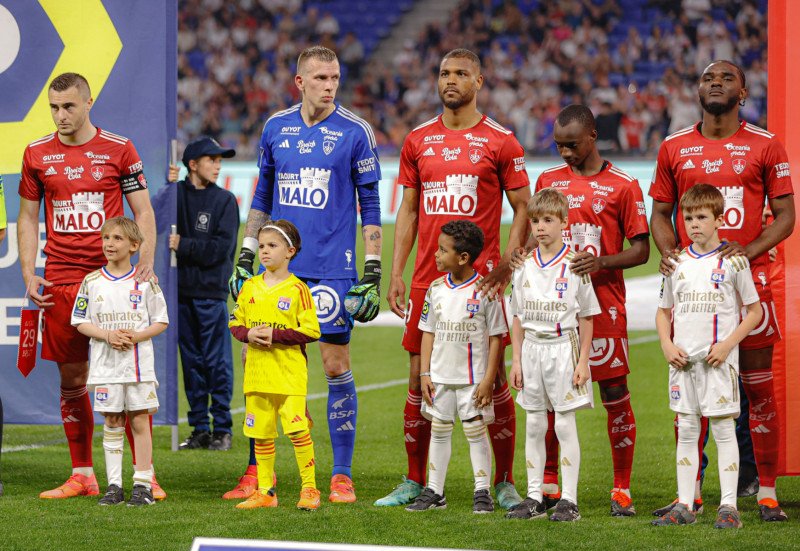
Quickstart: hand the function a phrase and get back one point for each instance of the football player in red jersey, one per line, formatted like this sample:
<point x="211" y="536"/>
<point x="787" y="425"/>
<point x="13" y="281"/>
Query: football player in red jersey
<point x="456" y="166"/>
<point x="82" y="173"/>
<point x="605" y="208"/>
<point x="748" y="165"/>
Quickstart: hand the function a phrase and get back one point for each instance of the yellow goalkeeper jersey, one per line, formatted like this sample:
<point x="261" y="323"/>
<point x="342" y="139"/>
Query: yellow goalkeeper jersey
<point x="289" y="309"/>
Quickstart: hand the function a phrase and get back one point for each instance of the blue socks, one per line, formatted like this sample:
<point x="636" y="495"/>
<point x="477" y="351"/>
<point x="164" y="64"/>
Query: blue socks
<point x="252" y="452"/>
<point x="342" y="414"/>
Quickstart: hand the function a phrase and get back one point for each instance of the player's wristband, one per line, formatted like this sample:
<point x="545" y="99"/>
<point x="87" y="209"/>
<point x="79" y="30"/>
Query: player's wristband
<point x="426" y="374"/>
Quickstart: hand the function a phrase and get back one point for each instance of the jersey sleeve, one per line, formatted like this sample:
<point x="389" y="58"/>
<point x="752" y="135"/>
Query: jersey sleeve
<point x="539" y="183"/>
<point x="743" y="281"/>
<point x="156" y="304"/>
<point x="515" y="305"/>
<point x="495" y="318"/>
<point x="131" y="175"/>
<point x="364" y="167"/>
<point x="427" y="317"/>
<point x="511" y="165"/>
<point x="265" y="187"/>
<point x="307" y="320"/>
<point x="633" y="213"/>
<point x="666" y="297"/>
<point x="30" y="187"/>
<point x="663" y="188"/>
<point x="238" y="317"/>
<point x="587" y="300"/>
<point x="409" y="171"/>
<point x="81" y="311"/>
<point x="776" y="176"/>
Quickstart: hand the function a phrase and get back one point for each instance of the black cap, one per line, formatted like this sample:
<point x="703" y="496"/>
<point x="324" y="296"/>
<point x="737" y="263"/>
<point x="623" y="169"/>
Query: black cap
<point x="205" y="146"/>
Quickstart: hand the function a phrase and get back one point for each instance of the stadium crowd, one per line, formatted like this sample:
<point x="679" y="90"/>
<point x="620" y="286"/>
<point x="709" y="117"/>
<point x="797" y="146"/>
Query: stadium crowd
<point x="634" y="62"/>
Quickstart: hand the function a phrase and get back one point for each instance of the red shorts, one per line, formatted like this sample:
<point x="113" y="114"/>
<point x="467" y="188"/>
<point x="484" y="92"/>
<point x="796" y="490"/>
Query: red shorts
<point x="412" y="336"/>
<point x="608" y="358"/>
<point x="767" y="333"/>
<point x="61" y="342"/>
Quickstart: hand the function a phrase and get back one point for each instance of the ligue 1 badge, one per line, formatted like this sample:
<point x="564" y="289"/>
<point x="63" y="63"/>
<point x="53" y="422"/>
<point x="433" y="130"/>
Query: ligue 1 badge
<point x="284" y="303"/>
<point x="473" y="305"/>
<point x="97" y="172"/>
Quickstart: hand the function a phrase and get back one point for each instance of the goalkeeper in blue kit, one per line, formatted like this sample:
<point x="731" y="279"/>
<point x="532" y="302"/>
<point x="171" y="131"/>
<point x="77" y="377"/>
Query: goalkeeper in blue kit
<point x="315" y="159"/>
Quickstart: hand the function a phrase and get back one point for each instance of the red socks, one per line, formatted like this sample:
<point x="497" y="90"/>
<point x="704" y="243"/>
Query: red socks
<point x="551" y="445"/>
<point x="763" y="423"/>
<point x="502" y="434"/>
<point x="418" y="437"/>
<point x="622" y="435"/>
<point x="76" y="415"/>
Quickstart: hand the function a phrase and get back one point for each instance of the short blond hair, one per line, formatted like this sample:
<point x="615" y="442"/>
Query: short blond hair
<point x="320" y="53"/>
<point x="548" y="201"/>
<point x="127" y="227"/>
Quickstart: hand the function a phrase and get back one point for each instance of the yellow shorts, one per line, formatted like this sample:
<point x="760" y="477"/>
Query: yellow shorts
<point x="263" y="410"/>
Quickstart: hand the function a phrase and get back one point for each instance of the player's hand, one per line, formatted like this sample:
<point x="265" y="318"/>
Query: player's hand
<point x="581" y="375"/>
<point x="396" y="297"/>
<point x="144" y="273"/>
<point x="731" y="248"/>
<point x="495" y="281"/>
<point x="718" y="354"/>
<point x="773" y="254"/>
<point x="363" y="300"/>
<point x="241" y="272"/>
<point x="584" y="263"/>
<point x="483" y="394"/>
<point x="515" y="376"/>
<point x="173" y="173"/>
<point x="40" y="300"/>
<point x="676" y="357"/>
<point x="260" y="336"/>
<point x="174" y="241"/>
<point x="518" y="257"/>
<point x="428" y="390"/>
<point x="668" y="261"/>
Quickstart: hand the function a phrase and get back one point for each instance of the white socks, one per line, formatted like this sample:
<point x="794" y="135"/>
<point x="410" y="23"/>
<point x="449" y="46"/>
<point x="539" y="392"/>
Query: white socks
<point x="439" y="454"/>
<point x="567" y="432"/>
<point x="687" y="456"/>
<point x="113" y="442"/>
<point x="143" y="478"/>
<point x="724" y="431"/>
<point x="479" y="452"/>
<point x="535" y="452"/>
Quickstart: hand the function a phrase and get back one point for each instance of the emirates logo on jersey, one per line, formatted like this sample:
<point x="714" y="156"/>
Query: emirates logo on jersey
<point x="97" y="172"/>
<point x="475" y="155"/>
<point x="739" y="165"/>
<point x="598" y="205"/>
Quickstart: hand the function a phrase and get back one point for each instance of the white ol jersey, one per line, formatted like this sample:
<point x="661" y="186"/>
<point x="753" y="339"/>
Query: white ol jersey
<point x="111" y="303"/>
<point x="462" y="322"/>
<point x="706" y="293"/>
<point x="548" y="298"/>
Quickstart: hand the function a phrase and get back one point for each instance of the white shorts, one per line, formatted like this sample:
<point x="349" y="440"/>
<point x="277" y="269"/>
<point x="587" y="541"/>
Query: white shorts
<point x="705" y="390"/>
<point x="548" y="366"/>
<point x="456" y="401"/>
<point x="119" y="397"/>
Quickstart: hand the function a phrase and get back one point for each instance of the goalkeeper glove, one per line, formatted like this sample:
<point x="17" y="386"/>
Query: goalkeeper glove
<point x="241" y="272"/>
<point x="363" y="300"/>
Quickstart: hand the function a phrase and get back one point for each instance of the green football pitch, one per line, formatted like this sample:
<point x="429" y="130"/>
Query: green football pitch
<point x="195" y="480"/>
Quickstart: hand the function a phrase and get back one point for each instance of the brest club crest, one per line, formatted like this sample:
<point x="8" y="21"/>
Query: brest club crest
<point x="598" y="205"/>
<point x="97" y="172"/>
<point x="738" y="165"/>
<point x="475" y="155"/>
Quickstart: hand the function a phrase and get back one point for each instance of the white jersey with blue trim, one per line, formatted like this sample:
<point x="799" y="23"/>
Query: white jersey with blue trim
<point x="462" y="321"/>
<point x="706" y="293"/>
<point x="313" y="172"/>
<point x="548" y="298"/>
<point x="111" y="303"/>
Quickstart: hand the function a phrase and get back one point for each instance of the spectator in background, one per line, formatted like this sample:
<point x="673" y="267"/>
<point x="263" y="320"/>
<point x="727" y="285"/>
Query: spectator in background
<point x="351" y="52"/>
<point x="607" y="124"/>
<point x="208" y="223"/>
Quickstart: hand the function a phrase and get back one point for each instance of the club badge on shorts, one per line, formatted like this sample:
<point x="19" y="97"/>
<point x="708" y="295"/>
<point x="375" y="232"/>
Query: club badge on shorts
<point x="675" y="392"/>
<point x="101" y="394"/>
<point x="250" y="420"/>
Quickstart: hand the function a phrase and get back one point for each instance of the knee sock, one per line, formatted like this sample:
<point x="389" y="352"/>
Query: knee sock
<point x="503" y="432"/>
<point x="76" y="415"/>
<point x="551" y="446"/>
<point x="304" y="455"/>
<point x="763" y="424"/>
<point x="724" y="431"/>
<point x="252" y="461"/>
<point x="686" y="456"/>
<point x="440" y="450"/>
<point x="479" y="452"/>
<point x="342" y="415"/>
<point x="265" y="456"/>
<point x="143" y="478"/>
<point x="417" y="431"/>
<point x="567" y="432"/>
<point x="113" y="443"/>
<point x="622" y="435"/>
<point x="535" y="429"/>
<point x="701" y="454"/>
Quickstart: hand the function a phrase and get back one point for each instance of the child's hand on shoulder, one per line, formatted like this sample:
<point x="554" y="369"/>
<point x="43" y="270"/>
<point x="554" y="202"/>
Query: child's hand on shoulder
<point x="483" y="394"/>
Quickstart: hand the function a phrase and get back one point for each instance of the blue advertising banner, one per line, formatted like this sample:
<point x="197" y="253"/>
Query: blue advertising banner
<point x="127" y="52"/>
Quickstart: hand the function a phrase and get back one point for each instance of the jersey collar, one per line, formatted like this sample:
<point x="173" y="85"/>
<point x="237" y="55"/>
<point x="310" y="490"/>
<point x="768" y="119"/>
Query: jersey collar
<point x="123" y="277"/>
<point x="537" y="257"/>
<point x="449" y="282"/>
<point x="690" y="251"/>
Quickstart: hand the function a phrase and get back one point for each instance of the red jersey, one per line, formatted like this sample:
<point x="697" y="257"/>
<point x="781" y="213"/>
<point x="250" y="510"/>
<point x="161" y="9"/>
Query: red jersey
<point x="747" y="167"/>
<point x="81" y="186"/>
<point x="604" y="210"/>
<point x="460" y="174"/>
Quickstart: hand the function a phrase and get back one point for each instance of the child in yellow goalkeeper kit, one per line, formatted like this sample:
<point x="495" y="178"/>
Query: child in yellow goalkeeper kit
<point x="276" y="317"/>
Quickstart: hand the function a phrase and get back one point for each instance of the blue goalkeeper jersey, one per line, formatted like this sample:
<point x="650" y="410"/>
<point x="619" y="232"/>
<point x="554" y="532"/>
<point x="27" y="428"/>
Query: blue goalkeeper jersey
<point x="309" y="175"/>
